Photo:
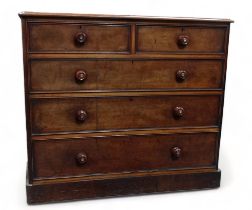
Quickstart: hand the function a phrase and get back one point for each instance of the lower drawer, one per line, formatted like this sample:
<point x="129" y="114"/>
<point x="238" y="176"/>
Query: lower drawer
<point x="102" y="155"/>
<point x="118" y="113"/>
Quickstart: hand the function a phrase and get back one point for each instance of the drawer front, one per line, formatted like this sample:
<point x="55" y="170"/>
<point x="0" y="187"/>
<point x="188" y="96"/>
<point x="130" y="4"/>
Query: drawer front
<point x="84" y="114"/>
<point x="55" y="75"/>
<point x="61" y="158"/>
<point x="180" y="39"/>
<point x="79" y="37"/>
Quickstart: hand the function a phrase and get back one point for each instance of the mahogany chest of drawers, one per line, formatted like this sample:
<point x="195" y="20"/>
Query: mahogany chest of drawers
<point x="119" y="105"/>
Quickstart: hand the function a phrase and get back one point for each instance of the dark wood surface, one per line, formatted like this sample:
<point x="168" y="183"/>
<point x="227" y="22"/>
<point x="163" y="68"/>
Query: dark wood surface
<point x="55" y="75"/>
<point x="41" y="15"/>
<point x="119" y="105"/>
<point x="58" y="115"/>
<point x="123" y="185"/>
<point x="54" y="159"/>
<point x="62" y="37"/>
<point x="166" y="39"/>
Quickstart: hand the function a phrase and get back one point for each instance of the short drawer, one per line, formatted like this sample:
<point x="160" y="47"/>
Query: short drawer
<point x="180" y="39"/>
<point x="116" y="113"/>
<point x="77" y="75"/>
<point x="60" y="158"/>
<point x="79" y="37"/>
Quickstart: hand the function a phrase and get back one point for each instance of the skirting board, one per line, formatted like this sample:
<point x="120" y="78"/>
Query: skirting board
<point x="120" y="186"/>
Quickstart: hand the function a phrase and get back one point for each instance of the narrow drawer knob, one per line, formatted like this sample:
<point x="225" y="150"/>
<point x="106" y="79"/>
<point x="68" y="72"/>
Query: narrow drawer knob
<point x="183" y="41"/>
<point x="178" y="112"/>
<point x="181" y="75"/>
<point x="80" y="38"/>
<point x="81" y="158"/>
<point x="176" y="152"/>
<point x="80" y="76"/>
<point x="81" y="115"/>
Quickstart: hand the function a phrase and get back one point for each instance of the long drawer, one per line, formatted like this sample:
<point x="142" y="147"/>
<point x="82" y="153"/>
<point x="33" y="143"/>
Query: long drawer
<point x="77" y="75"/>
<point x="115" y="113"/>
<point x="59" y="158"/>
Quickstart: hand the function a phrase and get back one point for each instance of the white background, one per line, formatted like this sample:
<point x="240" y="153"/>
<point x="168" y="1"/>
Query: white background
<point x="236" y="143"/>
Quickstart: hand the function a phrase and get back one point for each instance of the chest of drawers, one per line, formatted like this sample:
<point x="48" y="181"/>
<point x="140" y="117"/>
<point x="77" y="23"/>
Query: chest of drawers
<point x="119" y="105"/>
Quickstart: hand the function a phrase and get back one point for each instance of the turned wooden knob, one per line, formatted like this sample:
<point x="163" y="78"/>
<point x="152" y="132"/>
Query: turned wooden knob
<point x="81" y="115"/>
<point x="80" y="76"/>
<point x="183" y="41"/>
<point x="176" y="152"/>
<point x="81" y="158"/>
<point x="80" y="38"/>
<point x="181" y="75"/>
<point x="178" y="112"/>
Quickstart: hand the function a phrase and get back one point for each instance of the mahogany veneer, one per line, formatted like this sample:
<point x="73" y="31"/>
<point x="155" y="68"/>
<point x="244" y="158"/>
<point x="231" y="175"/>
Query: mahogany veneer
<point x="119" y="105"/>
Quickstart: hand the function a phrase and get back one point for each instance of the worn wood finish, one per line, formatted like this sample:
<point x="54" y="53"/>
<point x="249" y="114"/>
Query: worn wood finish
<point x="55" y="115"/>
<point x="121" y="93"/>
<point x="166" y="39"/>
<point x="140" y="132"/>
<point x="101" y="87"/>
<point x="55" y="75"/>
<point x="123" y="185"/>
<point x="69" y="16"/>
<point x="123" y="154"/>
<point x="63" y="37"/>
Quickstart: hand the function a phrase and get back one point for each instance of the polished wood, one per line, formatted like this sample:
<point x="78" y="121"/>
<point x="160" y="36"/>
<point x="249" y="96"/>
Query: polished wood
<point x="63" y="37"/>
<point x="146" y="56"/>
<point x="80" y="76"/>
<point x="115" y="93"/>
<point x="80" y="38"/>
<point x="183" y="41"/>
<point x="121" y="74"/>
<point x="81" y="116"/>
<point x="181" y="75"/>
<point x="81" y="158"/>
<point x="167" y="39"/>
<point x="41" y="15"/>
<point x="123" y="113"/>
<point x="119" y="105"/>
<point x="123" y="154"/>
<point x="141" y="132"/>
<point x="176" y="153"/>
<point x="178" y="112"/>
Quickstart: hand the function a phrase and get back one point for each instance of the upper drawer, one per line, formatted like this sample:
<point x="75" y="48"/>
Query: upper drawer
<point x="79" y="37"/>
<point x="180" y="39"/>
<point x="75" y="75"/>
<point x="116" y="113"/>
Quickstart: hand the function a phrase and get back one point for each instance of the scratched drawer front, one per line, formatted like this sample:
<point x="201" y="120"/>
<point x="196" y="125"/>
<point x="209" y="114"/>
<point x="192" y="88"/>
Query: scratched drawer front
<point x="85" y="114"/>
<point x="79" y="37"/>
<point x="55" y="75"/>
<point x="181" y="39"/>
<point x="61" y="158"/>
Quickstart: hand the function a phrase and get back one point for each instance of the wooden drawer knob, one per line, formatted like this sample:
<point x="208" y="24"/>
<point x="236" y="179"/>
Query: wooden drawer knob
<point x="176" y="153"/>
<point x="181" y="75"/>
<point x="81" y="115"/>
<point x="183" y="41"/>
<point x="81" y="158"/>
<point x="178" y="112"/>
<point x="80" y="76"/>
<point x="80" y="38"/>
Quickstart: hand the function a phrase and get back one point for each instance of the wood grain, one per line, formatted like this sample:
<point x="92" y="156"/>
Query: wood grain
<point x="120" y="185"/>
<point x="119" y="105"/>
<point x="57" y="115"/>
<point x="165" y="39"/>
<point x="120" y="154"/>
<point x="56" y="75"/>
<point x="62" y="37"/>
